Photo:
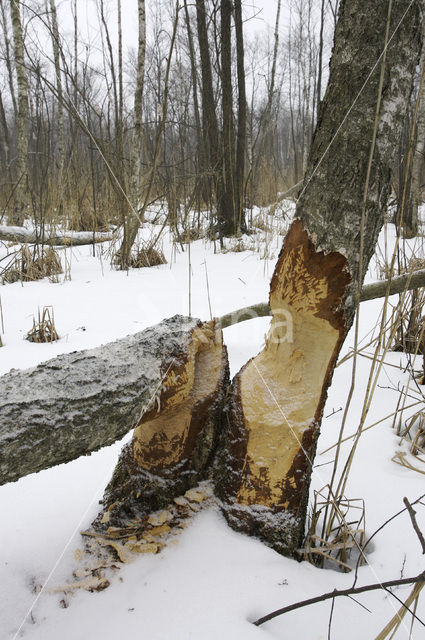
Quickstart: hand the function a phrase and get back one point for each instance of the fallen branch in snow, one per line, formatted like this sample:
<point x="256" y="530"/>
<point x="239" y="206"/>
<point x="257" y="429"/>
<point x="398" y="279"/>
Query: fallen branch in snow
<point x="398" y="284"/>
<point x="351" y="591"/>
<point x="81" y="401"/>
<point x="71" y="238"/>
<point x="418" y="580"/>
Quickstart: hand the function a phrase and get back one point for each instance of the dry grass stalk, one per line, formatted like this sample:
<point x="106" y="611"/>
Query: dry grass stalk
<point x="148" y="257"/>
<point x="29" y="265"/>
<point x="44" y="329"/>
<point x="415" y="432"/>
<point x="397" y="619"/>
<point x="400" y="458"/>
<point x="345" y="538"/>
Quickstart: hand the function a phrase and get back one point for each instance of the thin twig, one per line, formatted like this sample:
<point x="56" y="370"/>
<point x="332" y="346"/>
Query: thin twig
<point x="342" y="592"/>
<point x="412" y="514"/>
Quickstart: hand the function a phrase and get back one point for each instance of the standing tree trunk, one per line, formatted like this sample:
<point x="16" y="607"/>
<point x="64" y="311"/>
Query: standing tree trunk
<point x="320" y="59"/>
<point x="276" y="400"/>
<point x="241" y="135"/>
<point x="227" y="210"/>
<point x="202" y="189"/>
<point x="209" y="115"/>
<point x="132" y="222"/>
<point x="413" y="191"/>
<point x="21" y="170"/>
<point x="60" y="129"/>
<point x="8" y="59"/>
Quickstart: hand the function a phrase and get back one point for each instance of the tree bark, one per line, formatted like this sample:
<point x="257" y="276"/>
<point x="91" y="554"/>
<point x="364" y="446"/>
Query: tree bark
<point x="21" y="171"/>
<point x="242" y="124"/>
<point x="276" y="401"/>
<point x="204" y="180"/>
<point x="209" y="115"/>
<point x="131" y="222"/>
<point x="8" y="59"/>
<point x="227" y="212"/>
<point x="414" y="190"/>
<point x="60" y="124"/>
<point x="167" y="381"/>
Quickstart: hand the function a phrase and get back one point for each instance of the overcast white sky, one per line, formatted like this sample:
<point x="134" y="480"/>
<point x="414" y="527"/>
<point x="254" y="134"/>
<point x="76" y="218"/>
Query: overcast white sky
<point x="259" y="15"/>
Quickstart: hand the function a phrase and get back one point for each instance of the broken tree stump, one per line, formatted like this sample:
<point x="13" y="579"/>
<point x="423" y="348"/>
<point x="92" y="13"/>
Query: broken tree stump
<point x="175" y="441"/>
<point x="276" y="401"/>
<point x="78" y="402"/>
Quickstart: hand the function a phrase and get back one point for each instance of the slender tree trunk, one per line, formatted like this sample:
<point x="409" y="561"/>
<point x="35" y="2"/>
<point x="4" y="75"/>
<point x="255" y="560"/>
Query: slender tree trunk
<point x="277" y="399"/>
<point x="209" y="115"/>
<point x="227" y="212"/>
<point x="268" y="110"/>
<point x="60" y="122"/>
<point x="21" y="170"/>
<point x="204" y="183"/>
<point x="242" y="123"/>
<point x="320" y="62"/>
<point x="8" y="59"/>
<point x="6" y="135"/>
<point x="413" y="193"/>
<point x="120" y="122"/>
<point x="132" y="222"/>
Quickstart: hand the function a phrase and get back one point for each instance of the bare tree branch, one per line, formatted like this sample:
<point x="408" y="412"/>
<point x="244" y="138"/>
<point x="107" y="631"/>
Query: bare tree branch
<point x="412" y="514"/>
<point x="398" y="284"/>
<point x="342" y="592"/>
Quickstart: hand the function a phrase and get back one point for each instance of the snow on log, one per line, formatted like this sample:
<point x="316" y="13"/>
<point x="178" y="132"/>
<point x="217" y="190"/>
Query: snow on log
<point x="276" y="401"/>
<point x="81" y="401"/>
<point x="68" y="239"/>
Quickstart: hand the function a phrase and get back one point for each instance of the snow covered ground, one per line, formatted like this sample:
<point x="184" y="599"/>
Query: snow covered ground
<point x="213" y="582"/>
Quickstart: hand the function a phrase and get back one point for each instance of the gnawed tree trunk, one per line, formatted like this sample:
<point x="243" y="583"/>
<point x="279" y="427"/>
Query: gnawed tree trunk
<point x="175" y="441"/>
<point x="276" y="401"/>
<point x="163" y="380"/>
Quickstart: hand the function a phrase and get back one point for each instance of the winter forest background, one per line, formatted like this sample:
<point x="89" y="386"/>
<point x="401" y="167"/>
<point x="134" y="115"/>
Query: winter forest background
<point x="152" y="155"/>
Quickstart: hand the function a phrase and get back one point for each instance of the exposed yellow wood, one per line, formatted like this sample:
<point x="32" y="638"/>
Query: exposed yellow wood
<point x="280" y="392"/>
<point x="160" y="442"/>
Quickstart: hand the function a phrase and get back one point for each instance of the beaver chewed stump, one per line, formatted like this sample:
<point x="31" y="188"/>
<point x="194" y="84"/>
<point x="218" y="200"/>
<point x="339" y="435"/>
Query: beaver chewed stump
<point x="175" y="438"/>
<point x="276" y="400"/>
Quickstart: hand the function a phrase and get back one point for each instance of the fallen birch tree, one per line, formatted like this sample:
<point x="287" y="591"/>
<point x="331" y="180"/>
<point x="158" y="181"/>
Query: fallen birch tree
<point x="53" y="384"/>
<point x="78" y="402"/>
<point x="51" y="238"/>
